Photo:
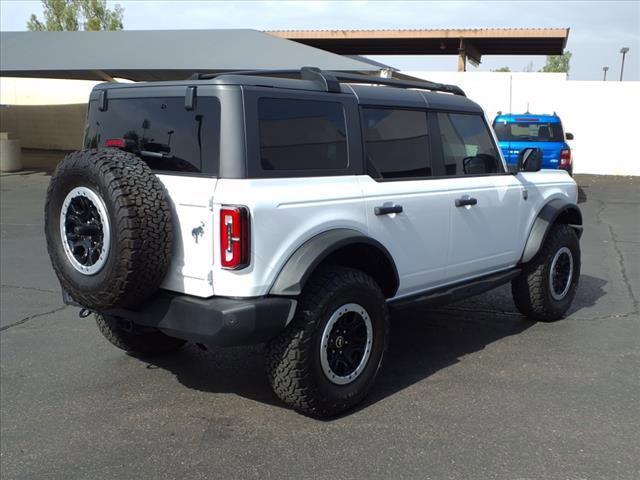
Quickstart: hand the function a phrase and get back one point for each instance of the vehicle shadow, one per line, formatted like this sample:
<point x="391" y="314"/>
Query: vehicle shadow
<point x="582" y="194"/>
<point x="423" y="342"/>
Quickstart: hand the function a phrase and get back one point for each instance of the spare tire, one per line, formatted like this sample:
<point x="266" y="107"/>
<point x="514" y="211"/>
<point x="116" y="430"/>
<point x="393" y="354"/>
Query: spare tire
<point x="108" y="228"/>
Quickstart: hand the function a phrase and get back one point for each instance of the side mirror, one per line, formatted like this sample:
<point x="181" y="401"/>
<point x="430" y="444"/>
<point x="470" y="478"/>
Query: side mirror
<point x="529" y="159"/>
<point x="569" y="136"/>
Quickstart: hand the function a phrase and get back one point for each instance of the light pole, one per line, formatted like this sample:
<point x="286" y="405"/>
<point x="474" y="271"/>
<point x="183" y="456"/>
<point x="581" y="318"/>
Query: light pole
<point x="623" y="51"/>
<point x="604" y="69"/>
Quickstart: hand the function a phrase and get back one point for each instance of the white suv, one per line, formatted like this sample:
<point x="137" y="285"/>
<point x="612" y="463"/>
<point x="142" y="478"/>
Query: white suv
<point x="290" y="208"/>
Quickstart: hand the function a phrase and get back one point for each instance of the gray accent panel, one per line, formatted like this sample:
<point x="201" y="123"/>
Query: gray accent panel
<point x="303" y="262"/>
<point x="389" y="96"/>
<point x="546" y="218"/>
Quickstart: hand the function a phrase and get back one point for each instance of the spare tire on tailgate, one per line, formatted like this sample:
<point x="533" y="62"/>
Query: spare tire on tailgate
<point x="108" y="228"/>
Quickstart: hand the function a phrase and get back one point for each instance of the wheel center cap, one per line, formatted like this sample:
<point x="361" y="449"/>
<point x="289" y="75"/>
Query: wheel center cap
<point x="340" y="341"/>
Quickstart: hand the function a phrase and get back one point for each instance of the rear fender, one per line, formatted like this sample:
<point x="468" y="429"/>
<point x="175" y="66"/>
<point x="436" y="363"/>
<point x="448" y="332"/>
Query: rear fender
<point x="304" y="261"/>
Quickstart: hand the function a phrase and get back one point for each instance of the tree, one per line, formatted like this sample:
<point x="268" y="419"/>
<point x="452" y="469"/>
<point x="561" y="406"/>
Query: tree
<point x="502" y="69"/>
<point x="557" y="63"/>
<point x="72" y="15"/>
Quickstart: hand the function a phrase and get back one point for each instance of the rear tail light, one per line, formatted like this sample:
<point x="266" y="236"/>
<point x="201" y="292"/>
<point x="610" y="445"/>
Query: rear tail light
<point x="234" y="237"/>
<point x="565" y="158"/>
<point x="115" y="143"/>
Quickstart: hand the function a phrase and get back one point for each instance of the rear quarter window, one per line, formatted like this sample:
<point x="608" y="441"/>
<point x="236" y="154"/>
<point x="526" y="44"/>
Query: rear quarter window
<point x="161" y="131"/>
<point x="301" y="135"/>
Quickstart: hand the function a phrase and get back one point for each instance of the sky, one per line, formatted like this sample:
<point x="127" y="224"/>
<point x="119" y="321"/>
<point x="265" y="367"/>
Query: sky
<point x="598" y="29"/>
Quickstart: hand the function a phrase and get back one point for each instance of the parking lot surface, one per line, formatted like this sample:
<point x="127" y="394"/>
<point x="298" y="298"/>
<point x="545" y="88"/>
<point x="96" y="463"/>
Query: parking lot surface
<point x="471" y="390"/>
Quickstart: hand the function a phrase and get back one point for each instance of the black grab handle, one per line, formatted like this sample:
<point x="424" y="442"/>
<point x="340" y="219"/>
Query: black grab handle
<point x="386" y="209"/>
<point x="463" y="202"/>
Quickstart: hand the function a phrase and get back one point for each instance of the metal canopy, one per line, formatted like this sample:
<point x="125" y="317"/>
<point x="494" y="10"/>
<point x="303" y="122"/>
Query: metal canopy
<point x="488" y="41"/>
<point x="157" y="54"/>
<point x="468" y="43"/>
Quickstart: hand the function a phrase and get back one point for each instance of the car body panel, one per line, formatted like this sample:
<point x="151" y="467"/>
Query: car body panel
<point x="432" y="242"/>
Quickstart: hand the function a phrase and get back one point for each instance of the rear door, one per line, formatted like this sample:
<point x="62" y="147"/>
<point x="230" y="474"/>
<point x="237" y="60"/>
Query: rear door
<point x="407" y="210"/>
<point x="485" y="202"/>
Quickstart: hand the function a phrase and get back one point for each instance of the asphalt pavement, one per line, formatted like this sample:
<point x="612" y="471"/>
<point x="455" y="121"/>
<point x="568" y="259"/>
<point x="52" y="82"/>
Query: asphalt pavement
<point x="468" y="391"/>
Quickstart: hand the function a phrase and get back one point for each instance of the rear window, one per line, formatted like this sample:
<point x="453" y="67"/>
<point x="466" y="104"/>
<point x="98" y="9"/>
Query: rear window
<point x="302" y="135"/>
<point x="161" y="131"/>
<point x="529" y="132"/>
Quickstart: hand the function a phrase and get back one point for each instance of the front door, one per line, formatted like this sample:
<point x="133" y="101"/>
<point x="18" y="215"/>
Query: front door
<point x="485" y="201"/>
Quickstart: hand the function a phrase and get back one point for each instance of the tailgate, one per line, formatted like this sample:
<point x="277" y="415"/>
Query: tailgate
<point x="191" y="199"/>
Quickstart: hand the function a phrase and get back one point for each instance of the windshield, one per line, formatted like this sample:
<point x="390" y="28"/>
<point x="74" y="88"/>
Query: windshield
<point x="529" y="132"/>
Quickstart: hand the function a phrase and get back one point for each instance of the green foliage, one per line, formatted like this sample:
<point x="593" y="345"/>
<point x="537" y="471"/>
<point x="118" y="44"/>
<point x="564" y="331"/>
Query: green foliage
<point x="502" y="69"/>
<point x="557" y="63"/>
<point x="72" y="15"/>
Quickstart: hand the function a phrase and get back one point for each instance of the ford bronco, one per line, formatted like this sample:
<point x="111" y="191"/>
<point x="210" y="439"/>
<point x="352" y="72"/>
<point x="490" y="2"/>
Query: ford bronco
<point x="292" y="208"/>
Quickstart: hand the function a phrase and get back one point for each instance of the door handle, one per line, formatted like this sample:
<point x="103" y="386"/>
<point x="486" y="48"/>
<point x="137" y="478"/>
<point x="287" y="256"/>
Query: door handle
<point x="387" y="209"/>
<point x="464" y="201"/>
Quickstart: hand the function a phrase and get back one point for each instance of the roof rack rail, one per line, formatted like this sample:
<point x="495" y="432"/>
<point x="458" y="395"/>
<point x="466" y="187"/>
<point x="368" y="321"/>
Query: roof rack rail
<point x="324" y="80"/>
<point x="329" y="81"/>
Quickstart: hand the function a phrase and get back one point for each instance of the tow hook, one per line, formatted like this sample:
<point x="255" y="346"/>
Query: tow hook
<point x="84" y="313"/>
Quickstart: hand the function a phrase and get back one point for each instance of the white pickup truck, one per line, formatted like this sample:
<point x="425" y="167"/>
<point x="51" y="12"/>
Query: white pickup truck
<point x="290" y="208"/>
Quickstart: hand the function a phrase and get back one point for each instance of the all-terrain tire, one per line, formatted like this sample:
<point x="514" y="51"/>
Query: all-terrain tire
<point x="532" y="289"/>
<point x="142" y="342"/>
<point x="140" y="232"/>
<point x="294" y="359"/>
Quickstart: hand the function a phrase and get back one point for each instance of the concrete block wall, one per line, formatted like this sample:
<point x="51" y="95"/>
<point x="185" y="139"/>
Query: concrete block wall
<point x="49" y="127"/>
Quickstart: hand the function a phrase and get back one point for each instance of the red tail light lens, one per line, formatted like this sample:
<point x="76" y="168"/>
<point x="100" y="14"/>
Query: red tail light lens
<point x="565" y="158"/>
<point x="234" y="237"/>
<point x="115" y="143"/>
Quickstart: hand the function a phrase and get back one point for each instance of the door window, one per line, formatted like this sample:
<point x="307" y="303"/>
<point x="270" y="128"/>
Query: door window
<point x="467" y="145"/>
<point x="397" y="143"/>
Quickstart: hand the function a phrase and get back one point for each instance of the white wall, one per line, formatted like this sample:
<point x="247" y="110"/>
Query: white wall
<point x="603" y="116"/>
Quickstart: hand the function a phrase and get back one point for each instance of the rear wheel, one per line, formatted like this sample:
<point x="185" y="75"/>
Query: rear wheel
<point x="136" y="340"/>
<point x="327" y="359"/>
<point x="545" y="289"/>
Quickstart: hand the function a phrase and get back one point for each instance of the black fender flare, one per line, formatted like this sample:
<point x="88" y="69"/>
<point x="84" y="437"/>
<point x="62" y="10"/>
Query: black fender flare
<point x="301" y="264"/>
<point x="557" y="209"/>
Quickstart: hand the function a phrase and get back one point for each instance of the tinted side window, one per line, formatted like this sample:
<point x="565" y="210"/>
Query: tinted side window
<point x="302" y="134"/>
<point x="397" y="143"/>
<point x="467" y="145"/>
<point x="161" y="131"/>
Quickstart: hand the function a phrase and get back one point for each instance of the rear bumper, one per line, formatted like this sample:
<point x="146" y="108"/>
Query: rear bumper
<point x="217" y="321"/>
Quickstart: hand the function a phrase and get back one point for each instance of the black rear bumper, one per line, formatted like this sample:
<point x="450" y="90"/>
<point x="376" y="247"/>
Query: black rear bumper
<point x="217" y="321"/>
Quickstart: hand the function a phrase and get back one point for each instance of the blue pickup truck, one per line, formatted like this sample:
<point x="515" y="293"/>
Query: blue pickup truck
<point x="518" y="131"/>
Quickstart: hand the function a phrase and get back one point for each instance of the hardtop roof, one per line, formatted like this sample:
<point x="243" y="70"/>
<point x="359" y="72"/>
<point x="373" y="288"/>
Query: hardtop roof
<point x="365" y="94"/>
